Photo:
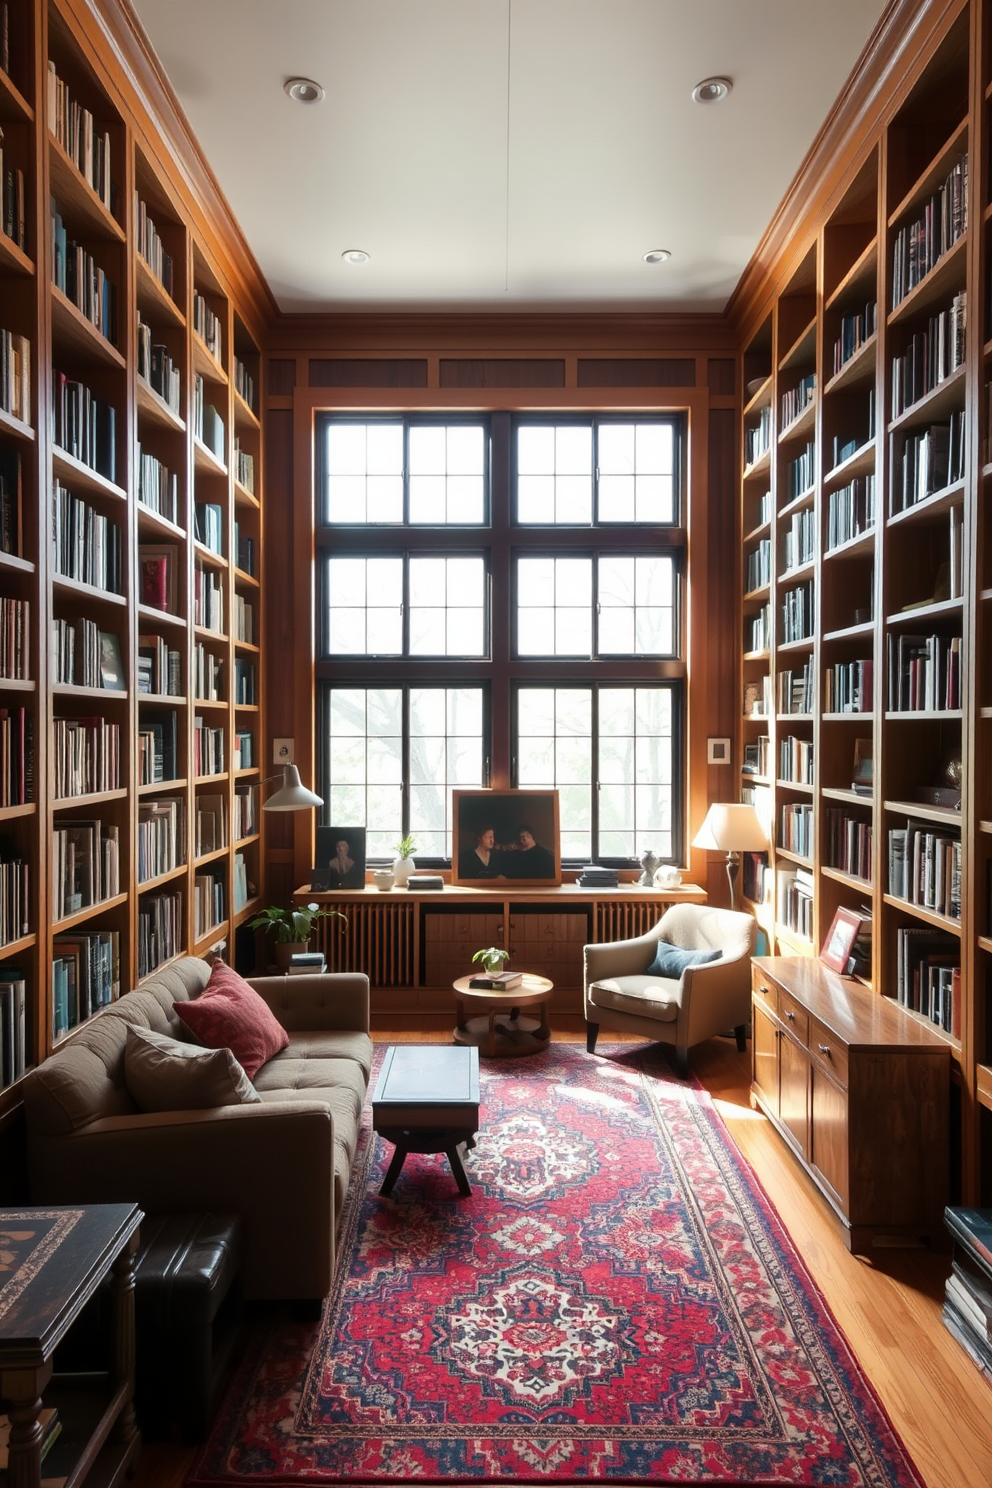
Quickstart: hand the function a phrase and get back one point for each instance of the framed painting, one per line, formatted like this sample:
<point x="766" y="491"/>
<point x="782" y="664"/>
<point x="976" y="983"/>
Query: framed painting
<point x="839" y="943"/>
<point x="339" y="861"/>
<point x="505" y="836"/>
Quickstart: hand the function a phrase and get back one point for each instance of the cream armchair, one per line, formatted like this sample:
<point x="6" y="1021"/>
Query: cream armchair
<point x="705" y="1000"/>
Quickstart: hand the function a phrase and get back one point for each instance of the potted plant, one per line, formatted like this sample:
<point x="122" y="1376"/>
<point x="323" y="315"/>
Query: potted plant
<point x="404" y="865"/>
<point x="292" y="928"/>
<point x="492" y="959"/>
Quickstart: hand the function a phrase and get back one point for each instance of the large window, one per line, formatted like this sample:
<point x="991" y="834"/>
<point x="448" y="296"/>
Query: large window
<point x="500" y="602"/>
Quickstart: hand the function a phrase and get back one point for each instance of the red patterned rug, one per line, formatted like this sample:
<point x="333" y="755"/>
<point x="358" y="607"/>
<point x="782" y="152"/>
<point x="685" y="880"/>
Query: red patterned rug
<point x="617" y="1300"/>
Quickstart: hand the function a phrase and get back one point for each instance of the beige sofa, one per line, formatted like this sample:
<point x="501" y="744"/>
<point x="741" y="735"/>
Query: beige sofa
<point x="283" y="1164"/>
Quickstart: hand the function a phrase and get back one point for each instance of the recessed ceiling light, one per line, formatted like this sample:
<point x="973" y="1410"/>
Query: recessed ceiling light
<point x="657" y="255"/>
<point x="304" y="90"/>
<point x="355" y="256"/>
<point x="712" y="90"/>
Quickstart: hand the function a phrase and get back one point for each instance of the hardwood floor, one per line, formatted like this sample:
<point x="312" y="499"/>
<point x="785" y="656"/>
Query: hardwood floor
<point x="888" y="1306"/>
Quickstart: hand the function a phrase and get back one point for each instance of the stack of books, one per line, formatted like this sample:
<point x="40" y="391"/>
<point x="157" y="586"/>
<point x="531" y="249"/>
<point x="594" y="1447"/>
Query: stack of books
<point x="594" y="877"/>
<point x="968" y="1294"/>
<point x="500" y="981"/>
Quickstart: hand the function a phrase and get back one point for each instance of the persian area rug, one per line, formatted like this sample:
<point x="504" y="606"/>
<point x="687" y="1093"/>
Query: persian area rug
<point x="617" y="1300"/>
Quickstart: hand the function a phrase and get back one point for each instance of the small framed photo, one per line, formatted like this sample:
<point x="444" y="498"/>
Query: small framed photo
<point x="505" y="835"/>
<point x="158" y="564"/>
<point x="839" y="943"/>
<point x="111" y="666"/>
<point x="340" y="858"/>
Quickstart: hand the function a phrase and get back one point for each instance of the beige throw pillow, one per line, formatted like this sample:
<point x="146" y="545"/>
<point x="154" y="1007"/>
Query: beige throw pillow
<point x="163" y="1074"/>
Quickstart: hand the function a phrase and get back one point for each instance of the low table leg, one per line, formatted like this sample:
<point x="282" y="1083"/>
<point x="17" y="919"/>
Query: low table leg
<point x="393" y="1171"/>
<point x="458" y="1169"/>
<point x="491" y="1045"/>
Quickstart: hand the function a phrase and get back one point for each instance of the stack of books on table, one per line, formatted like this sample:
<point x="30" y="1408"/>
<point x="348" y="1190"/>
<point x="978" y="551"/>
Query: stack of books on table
<point x="968" y="1294"/>
<point x="594" y="877"/>
<point x="500" y="981"/>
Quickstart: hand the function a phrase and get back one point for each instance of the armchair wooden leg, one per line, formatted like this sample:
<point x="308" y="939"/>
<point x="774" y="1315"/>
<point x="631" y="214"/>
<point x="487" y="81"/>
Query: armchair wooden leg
<point x="682" y="1063"/>
<point x="592" y="1033"/>
<point x="740" y="1034"/>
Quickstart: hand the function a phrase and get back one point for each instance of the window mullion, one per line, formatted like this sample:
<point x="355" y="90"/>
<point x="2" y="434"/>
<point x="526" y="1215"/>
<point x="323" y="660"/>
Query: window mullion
<point x="594" y="762"/>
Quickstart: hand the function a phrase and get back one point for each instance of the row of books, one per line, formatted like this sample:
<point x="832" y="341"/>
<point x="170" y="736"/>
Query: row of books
<point x="211" y="823"/>
<point x="856" y="328"/>
<point x="759" y="566"/>
<point x="931" y="356"/>
<point x="244" y="384"/>
<point x="848" y="687"/>
<point x="925" y="867"/>
<point x="16" y="757"/>
<point x="244" y="681"/>
<point x="795" y="760"/>
<point x="931" y="459"/>
<point x="757" y="756"/>
<point x="158" y="565"/>
<point x="158" y="489"/>
<point x="75" y="129"/>
<point x="160" y="930"/>
<point x="801" y="473"/>
<point x="920" y="244"/>
<point x="760" y="630"/>
<point x="796" y="829"/>
<point x="797" y="399"/>
<point x="968" y="1290"/>
<point x="850" y="511"/>
<point x="244" y="549"/>
<point x="800" y="539"/>
<point x="795" y="689"/>
<point x="928" y="975"/>
<point x="244" y="468"/>
<point x="924" y="673"/>
<point x="86" y="975"/>
<point x="241" y="887"/>
<point x="243" y="750"/>
<point x="208" y="426"/>
<point x="758" y="437"/>
<point x="86" y="865"/>
<point x="761" y="798"/>
<point x="84" y="425"/>
<point x="208" y="520"/>
<point x="208" y="599"/>
<point x="88" y="546"/>
<point x="208" y="749"/>
<point x="81" y="279"/>
<point x="83" y="655"/>
<point x="15" y="375"/>
<point x="795" y="901"/>
<point x="208" y="675"/>
<point x="15" y="886"/>
<point x="13" y="1024"/>
<point x="207" y="326"/>
<point x="158" y="746"/>
<point x="847" y="844"/>
<point x="10" y="501"/>
<point x="798" y="613"/>
<point x="13" y="205"/>
<point x="244" y="813"/>
<point x="208" y="903"/>
<point x="86" y="756"/>
<point x="15" y="639"/>
<point x="151" y="247"/>
<point x="244" y="620"/>
<point x="159" y="667"/>
<point x="156" y="366"/>
<point x="756" y="877"/>
<point x="161" y="837"/>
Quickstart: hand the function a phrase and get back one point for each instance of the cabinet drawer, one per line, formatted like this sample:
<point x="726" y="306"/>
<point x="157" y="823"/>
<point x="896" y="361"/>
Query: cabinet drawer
<point x="795" y="1017"/>
<point x="828" y="1051"/>
<point x="765" y="991"/>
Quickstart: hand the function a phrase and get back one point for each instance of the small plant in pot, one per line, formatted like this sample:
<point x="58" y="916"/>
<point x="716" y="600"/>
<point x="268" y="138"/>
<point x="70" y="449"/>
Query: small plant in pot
<point x="403" y="865"/>
<point x="292" y="928"/>
<point x="492" y="958"/>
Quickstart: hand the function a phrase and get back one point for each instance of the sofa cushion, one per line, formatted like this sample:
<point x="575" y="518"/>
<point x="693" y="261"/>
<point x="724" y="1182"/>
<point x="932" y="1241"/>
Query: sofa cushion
<point x="671" y="961"/>
<point x="645" y="996"/>
<point x="230" y="1014"/>
<point x="164" y="1074"/>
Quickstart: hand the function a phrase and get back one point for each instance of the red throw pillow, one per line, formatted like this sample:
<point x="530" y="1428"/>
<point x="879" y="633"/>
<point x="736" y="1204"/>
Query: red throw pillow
<point x="228" y="1014"/>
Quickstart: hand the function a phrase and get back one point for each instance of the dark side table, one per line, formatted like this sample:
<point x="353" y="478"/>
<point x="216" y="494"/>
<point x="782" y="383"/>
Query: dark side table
<point x="51" y="1262"/>
<point x="427" y="1100"/>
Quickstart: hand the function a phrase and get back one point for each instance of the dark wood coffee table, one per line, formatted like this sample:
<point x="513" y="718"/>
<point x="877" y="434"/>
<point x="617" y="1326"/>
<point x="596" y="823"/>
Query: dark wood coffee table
<point x="501" y="1032"/>
<point x="427" y="1100"/>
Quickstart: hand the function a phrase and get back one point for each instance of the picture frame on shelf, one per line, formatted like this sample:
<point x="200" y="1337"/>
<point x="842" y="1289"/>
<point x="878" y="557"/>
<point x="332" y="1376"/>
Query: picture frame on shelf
<point x="158" y="563"/>
<point x="839" y="942"/>
<point x="339" y="860"/>
<point x="505" y="836"/>
<point x="111" y="665"/>
<point x="863" y="768"/>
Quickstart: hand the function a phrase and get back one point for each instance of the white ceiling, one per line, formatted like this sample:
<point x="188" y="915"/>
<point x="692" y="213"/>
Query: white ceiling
<point x="505" y="154"/>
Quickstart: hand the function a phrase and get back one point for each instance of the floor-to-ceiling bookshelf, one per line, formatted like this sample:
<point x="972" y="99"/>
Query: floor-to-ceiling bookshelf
<point x="131" y="707"/>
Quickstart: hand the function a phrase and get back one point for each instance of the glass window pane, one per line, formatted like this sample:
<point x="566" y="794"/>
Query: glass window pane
<point x="428" y="499"/>
<point x="466" y="499"/>
<point x="447" y="606"/>
<point x="616" y="498"/>
<point x="536" y="498"/>
<point x="385" y="449"/>
<point x="573" y="449"/>
<point x="346" y="449"/>
<point x="427" y="450"/>
<point x="616" y="449"/>
<point x="384" y="499"/>
<point x="466" y="449"/>
<point x="535" y="450"/>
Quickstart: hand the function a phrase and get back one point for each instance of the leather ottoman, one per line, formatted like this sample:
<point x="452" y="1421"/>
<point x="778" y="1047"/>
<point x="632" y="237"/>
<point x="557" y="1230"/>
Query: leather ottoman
<point x="187" y="1311"/>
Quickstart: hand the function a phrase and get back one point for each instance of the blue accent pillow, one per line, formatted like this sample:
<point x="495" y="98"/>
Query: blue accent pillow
<point x="670" y="961"/>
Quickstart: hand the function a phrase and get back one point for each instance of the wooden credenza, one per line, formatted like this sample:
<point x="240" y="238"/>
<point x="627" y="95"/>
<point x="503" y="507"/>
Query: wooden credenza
<point x="860" y="1091"/>
<point x="414" y="944"/>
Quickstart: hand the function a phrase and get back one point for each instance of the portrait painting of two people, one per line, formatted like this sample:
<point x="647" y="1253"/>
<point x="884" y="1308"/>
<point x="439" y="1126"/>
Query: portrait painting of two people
<point x="509" y="836"/>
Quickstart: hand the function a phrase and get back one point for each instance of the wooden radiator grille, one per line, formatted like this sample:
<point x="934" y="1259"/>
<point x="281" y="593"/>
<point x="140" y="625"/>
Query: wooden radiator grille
<point x="624" y="921"/>
<point x="379" y="940"/>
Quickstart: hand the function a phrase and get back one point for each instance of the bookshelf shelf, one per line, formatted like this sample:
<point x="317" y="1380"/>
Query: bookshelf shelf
<point x="928" y="916"/>
<point x="915" y="715"/>
<point x="244" y="497"/>
<point x="207" y="939"/>
<point x="244" y="416"/>
<point x="88" y="913"/>
<point x="791" y="857"/>
<point x="760" y="398"/>
<point x="77" y="475"/>
<point x="943" y="814"/>
<point x="933" y="173"/>
<point x="14" y="426"/>
<point x="205" y="362"/>
<point x="13" y="259"/>
<point x="851" y="880"/>
<point x="942" y="399"/>
<point x="88" y="591"/>
<point x="103" y="694"/>
<point x="931" y="507"/>
<point x="159" y="698"/>
<point x="946" y="275"/>
<point x="160" y="787"/>
<point x="210" y="857"/>
<point x="151" y="617"/>
<point x="850" y="632"/>
<point x="17" y="947"/>
<point x="71" y="330"/>
<point x="864" y="718"/>
<point x="935" y="611"/>
<point x="801" y="425"/>
<point x="204" y="459"/>
<point x="149" y="885"/>
<point x="240" y="577"/>
<point x="16" y="564"/>
<point x="802" y="350"/>
<point x="11" y="813"/>
<point x="95" y="798"/>
<point x="861" y="462"/>
<point x="798" y="503"/>
<point x="153" y="407"/>
<point x="838" y="793"/>
<point x="861" y="546"/>
<point x="17" y="684"/>
<point x="153" y="524"/>
<point x="857" y="369"/>
<point x="79" y="204"/>
<point x="154" y="299"/>
<point x="859" y="280"/>
<point x="13" y="105"/>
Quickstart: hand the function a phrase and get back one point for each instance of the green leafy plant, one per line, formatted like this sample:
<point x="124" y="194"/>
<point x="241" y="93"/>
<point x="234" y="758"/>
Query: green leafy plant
<point x="292" y="925"/>
<point x="406" y="847"/>
<point x="492" y="959"/>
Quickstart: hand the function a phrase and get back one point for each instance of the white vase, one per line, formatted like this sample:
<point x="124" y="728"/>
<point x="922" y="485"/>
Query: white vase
<point x="402" y="868"/>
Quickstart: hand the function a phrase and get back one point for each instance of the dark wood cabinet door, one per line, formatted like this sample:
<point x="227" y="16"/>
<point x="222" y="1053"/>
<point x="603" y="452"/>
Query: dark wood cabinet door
<point x="829" y="1134"/>
<point x="764" y="1055"/>
<point x="794" y="1090"/>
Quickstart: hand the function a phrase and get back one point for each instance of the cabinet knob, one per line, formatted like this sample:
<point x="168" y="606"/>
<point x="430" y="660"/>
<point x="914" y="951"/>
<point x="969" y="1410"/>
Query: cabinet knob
<point x="824" y="1049"/>
<point x="789" y="1015"/>
<point x="763" y="989"/>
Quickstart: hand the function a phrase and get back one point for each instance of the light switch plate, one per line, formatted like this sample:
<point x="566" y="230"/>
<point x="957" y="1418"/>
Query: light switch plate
<point x="718" y="751"/>
<point x="283" y="751"/>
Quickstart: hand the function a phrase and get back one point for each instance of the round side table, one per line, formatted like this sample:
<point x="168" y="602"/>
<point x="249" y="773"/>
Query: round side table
<point x="498" y="1030"/>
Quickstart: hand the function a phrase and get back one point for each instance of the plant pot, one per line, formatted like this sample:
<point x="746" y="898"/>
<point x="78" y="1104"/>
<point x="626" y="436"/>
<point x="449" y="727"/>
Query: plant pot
<point x="402" y="868"/>
<point x="284" y="949"/>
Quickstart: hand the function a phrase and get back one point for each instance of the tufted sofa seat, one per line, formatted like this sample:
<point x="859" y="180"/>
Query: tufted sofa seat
<point x="283" y="1164"/>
